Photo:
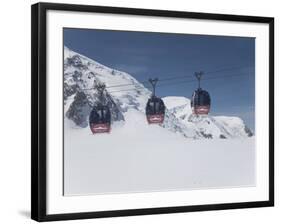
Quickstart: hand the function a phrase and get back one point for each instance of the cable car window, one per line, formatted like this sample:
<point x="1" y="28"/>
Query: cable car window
<point x="156" y="107"/>
<point x="99" y="112"/>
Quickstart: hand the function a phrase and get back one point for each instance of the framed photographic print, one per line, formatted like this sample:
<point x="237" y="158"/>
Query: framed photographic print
<point x="139" y="111"/>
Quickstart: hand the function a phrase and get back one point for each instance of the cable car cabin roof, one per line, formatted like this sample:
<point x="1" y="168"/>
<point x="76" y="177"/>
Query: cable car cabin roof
<point x="155" y="99"/>
<point x="200" y="97"/>
<point x="155" y="105"/>
<point x="100" y="114"/>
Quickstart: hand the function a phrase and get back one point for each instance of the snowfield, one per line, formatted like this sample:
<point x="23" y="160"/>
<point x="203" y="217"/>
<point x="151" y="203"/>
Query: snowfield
<point x="143" y="158"/>
<point x="185" y="152"/>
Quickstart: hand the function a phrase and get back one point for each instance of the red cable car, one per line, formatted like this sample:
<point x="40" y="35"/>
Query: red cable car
<point x="155" y="111"/>
<point x="201" y="100"/>
<point x="100" y="116"/>
<point x="100" y="120"/>
<point x="155" y="107"/>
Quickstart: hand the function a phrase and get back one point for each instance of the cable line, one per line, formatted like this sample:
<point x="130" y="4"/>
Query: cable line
<point x="184" y="76"/>
<point x="129" y="84"/>
<point x="182" y="82"/>
<point x="210" y="78"/>
<point x="175" y="77"/>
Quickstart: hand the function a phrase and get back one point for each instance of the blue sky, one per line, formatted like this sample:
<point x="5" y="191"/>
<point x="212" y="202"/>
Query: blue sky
<point x="147" y="55"/>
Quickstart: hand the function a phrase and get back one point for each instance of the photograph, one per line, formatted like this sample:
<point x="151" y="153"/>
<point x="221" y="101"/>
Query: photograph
<point x="157" y="112"/>
<point x="140" y="111"/>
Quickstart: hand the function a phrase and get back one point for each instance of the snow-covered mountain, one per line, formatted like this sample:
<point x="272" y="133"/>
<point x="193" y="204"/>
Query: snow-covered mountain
<point x="208" y="126"/>
<point x="126" y="97"/>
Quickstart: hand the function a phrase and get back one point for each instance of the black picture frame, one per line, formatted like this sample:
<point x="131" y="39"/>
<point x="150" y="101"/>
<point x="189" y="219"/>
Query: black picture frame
<point x="39" y="107"/>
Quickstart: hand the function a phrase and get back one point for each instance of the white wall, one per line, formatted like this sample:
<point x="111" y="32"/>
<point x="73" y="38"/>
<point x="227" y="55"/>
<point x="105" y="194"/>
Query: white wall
<point x="15" y="110"/>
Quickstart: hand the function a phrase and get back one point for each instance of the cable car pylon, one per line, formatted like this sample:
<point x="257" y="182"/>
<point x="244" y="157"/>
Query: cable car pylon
<point x="100" y="87"/>
<point x="153" y="82"/>
<point x="199" y="75"/>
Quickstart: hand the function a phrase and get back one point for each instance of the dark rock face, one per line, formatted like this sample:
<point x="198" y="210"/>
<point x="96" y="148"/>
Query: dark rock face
<point x="79" y="110"/>
<point x="248" y="131"/>
<point x="75" y="61"/>
<point x="206" y="135"/>
<point x="77" y="77"/>
<point x="116" y="111"/>
<point x="69" y="90"/>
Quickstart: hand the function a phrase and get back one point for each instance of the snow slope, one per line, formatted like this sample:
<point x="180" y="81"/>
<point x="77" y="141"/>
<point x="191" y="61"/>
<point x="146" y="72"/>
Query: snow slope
<point x="124" y="92"/>
<point x="156" y="160"/>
